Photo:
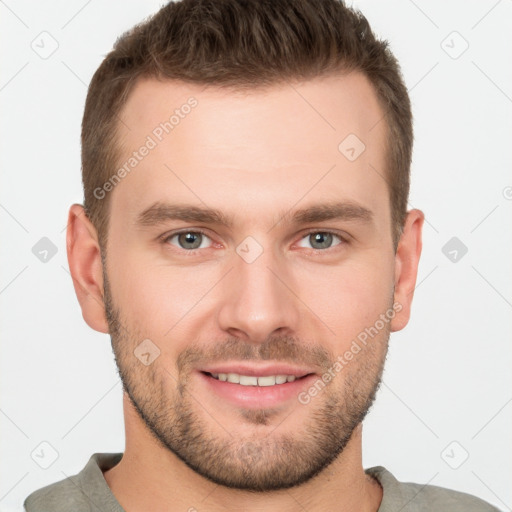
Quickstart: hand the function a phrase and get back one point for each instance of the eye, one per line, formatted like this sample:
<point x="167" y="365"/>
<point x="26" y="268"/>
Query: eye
<point x="320" y="240"/>
<point x="189" y="240"/>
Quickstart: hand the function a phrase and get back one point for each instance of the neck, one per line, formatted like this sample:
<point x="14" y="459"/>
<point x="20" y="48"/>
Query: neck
<point x="150" y="477"/>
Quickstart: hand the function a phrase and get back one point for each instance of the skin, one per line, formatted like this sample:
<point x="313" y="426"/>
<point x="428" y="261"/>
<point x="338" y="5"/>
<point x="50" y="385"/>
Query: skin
<point x="251" y="155"/>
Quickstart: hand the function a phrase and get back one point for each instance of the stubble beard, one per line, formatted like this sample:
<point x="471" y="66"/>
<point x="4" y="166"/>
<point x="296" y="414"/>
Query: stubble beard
<point x="269" y="460"/>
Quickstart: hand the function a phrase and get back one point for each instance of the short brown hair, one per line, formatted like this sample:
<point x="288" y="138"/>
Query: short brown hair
<point x="243" y="44"/>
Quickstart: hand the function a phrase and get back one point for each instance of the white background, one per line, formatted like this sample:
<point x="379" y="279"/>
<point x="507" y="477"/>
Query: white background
<point x="448" y="375"/>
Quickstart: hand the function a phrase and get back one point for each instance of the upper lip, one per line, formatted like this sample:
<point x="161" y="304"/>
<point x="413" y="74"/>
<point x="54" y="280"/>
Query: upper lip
<point x="257" y="371"/>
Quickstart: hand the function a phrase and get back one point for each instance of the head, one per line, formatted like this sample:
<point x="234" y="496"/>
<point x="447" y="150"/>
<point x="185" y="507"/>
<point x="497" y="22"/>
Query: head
<point x="246" y="173"/>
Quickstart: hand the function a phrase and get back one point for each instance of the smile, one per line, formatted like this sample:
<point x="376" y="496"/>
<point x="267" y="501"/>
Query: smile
<point x="253" y="380"/>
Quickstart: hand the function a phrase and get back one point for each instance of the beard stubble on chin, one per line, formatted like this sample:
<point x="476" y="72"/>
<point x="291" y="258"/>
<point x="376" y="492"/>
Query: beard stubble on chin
<point x="263" y="462"/>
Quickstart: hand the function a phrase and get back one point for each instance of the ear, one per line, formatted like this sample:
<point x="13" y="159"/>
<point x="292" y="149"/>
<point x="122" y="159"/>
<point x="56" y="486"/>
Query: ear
<point x="406" y="267"/>
<point x="84" y="258"/>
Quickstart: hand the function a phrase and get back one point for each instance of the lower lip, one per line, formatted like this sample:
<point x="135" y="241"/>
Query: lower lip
<point x="256" y="397"/>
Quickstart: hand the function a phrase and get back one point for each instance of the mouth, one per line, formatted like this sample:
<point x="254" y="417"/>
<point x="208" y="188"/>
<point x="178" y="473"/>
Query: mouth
<point x="255" y="380"/>
<point x="255" y="388"/>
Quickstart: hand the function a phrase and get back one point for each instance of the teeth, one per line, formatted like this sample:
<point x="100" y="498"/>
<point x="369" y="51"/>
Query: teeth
<point x="250" y="380"/>
<point x="247" y="380"/>
<point x="270" y="380"/>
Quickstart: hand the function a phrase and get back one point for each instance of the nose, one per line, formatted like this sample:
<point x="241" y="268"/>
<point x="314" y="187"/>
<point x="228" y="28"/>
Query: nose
<point x="258" y="299"/>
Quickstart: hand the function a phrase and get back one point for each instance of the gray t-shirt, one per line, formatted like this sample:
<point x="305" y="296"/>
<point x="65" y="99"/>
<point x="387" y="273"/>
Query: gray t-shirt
<point x="88" y="492"/>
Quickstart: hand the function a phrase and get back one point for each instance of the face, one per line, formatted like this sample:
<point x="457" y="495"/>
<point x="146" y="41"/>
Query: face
<point x="246" y="244"/>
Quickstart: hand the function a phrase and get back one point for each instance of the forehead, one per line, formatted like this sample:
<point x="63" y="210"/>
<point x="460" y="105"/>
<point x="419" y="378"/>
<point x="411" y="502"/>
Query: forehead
<point x="245" y="150"/>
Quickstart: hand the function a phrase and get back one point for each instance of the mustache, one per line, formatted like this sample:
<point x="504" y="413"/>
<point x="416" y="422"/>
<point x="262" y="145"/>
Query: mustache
<point x="283" y="349"/>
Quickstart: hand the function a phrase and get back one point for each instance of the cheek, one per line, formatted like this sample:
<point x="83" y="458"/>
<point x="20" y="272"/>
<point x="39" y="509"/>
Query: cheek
<point x="350" y="296"/>
<point x="158" y="299"/>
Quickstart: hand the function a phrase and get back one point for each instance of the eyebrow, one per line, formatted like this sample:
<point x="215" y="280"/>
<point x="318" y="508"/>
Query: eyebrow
<point x="159" y="213"/>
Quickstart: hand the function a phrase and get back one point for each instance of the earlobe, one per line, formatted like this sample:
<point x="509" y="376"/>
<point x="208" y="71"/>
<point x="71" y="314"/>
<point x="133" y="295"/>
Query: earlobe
<point x="406" y="267"/>
<point x="85" y="265"/>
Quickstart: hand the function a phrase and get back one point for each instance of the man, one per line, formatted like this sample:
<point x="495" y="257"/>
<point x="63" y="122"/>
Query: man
<point x="246" y="244"/>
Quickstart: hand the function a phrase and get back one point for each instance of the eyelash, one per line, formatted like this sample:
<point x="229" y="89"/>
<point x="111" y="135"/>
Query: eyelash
<point x="193" y="252"/>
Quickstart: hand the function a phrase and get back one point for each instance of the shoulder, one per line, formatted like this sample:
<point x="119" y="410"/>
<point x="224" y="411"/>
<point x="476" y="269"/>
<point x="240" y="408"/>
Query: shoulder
<point x="57" y="497"/>
<point x="82" y="492"/>
<point x="412" y="497"/>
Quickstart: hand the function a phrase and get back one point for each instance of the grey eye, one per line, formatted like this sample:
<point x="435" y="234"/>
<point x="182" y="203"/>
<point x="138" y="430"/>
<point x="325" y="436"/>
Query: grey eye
<point x="190" y="240"/>
<point x="320" y="240"/>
